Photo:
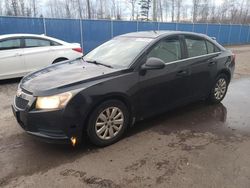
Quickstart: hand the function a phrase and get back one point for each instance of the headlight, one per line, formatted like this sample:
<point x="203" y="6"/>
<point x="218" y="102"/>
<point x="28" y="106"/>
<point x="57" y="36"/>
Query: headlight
<point x="53" y="102"/>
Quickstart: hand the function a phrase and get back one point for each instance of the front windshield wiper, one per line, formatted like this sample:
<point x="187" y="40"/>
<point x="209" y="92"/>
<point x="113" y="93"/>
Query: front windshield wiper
<point x="97" y="63"/>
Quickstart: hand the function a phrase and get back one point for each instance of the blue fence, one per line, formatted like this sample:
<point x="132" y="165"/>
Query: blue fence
<point x="91" y="33"/>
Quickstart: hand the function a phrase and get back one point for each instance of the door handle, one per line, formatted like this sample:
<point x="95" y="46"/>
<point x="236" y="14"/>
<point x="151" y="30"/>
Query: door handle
<point x="182" y="73"/>
<point x="18" y="54"/>
<point x="212" y="63"/>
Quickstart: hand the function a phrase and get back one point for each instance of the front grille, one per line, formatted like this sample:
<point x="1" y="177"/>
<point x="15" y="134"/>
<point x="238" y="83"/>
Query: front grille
<point x="21" y="103"/>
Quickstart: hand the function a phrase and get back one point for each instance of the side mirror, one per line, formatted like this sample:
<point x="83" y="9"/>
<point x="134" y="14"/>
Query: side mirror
<point x="153" y="63"/>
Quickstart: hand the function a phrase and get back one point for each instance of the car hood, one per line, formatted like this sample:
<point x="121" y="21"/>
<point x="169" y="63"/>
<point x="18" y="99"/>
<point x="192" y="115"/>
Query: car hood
<point x="64" y="75"/>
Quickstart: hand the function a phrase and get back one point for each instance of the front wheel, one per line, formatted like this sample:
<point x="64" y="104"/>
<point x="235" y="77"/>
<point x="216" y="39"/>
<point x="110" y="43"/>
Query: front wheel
<point x="108" y="123"/>
<point x="219" y="90"/>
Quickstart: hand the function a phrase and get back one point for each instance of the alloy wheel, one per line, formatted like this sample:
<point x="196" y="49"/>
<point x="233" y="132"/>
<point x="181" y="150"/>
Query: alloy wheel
<point x="220" y="89"/>
<point x="109" y="123"/>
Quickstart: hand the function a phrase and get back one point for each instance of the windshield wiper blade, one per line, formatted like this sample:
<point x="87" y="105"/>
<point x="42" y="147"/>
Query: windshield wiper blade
<point x="98" y="63"/>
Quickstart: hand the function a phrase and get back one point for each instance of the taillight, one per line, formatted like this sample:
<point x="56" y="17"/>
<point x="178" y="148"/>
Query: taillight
<point x="77" y="50"/>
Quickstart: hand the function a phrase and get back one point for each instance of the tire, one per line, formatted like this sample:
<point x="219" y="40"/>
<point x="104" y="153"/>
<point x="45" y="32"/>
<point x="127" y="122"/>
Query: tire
<point x="219" y="89"/>
<point x="59" y="60"/>
<point x="111" y="116"/>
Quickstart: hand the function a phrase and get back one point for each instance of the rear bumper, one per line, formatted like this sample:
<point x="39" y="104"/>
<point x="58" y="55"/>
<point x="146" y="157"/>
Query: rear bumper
<point x="48" y="126"/>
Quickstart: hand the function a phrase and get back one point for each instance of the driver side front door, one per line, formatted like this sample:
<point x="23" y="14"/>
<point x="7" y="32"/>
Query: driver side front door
<point x="168" y="87"/>
<point x="11" y="59"/>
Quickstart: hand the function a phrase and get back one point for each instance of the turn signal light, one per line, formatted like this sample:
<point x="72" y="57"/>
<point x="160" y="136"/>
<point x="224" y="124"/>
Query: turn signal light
<point x="73" y="141"/>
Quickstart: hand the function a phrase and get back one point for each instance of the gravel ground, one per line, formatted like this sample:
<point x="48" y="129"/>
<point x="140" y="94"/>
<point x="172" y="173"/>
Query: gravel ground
<point x="198" y="145"/>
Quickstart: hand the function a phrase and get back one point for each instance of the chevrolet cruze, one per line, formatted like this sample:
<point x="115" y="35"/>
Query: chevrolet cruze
<point x="129" y="78"/>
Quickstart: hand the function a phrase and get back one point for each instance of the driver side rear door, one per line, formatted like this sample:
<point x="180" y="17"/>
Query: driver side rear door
<point x="38" y="53"/>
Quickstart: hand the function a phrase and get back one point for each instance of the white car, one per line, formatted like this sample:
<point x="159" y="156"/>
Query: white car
<point x="24" y="53"/>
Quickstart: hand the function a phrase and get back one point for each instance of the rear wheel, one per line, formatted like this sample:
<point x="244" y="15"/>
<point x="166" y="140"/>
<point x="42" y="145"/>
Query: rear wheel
<point x="219" y="90"/>
<point x="59" y="60"/>
<point x="107" y="123"/>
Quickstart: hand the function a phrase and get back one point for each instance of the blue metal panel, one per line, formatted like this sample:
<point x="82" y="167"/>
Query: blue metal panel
<point x="147" y="26"/>
<point x="64" y="29"/>
<point x="95" y="32"/>
<point x="167" y="26"/>
<point x="248" y="36"/>
<point x="200" y="28"/>
<point x="213" y="30"/>
<point x="234" y="37"/>
<point x="121" y="27"/>
<point x="224" y="34"/>
<point x="244" y="34"/>
<point x="184" y="27"/>
<point x="10" y="25"/>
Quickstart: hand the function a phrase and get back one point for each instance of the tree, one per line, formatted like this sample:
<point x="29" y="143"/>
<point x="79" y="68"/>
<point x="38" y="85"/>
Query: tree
<point x="22" y="7"/>
<point x="67" y="5"/>
<point x="144" y="6"/>
<point x="230" y="11"/>
<point x="100" y="13"/>
<point x="88" y="8"/>
<point x="212" y="10"/>
<point x="79" y="5"/>
<point x="178" y="5"/>
<point x="34" y="7"/>
<point x="246" y="12"/>
<point x="204" y="11"/>
<point x="172" y="9"/>
<point x="224" y="11"/>
<point x="166" y="8"/>
<point x="14" y="5"/>
<point x="154" y="10"/>
<point x="160" y="11"/>
<point x="1" y="7"/>
<point x="196" y="4"/>
<point x="119" y="11"/>
<point x="132" y="2"/>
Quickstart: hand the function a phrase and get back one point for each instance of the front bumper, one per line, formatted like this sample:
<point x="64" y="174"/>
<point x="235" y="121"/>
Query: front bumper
<point x="52" y="126"/>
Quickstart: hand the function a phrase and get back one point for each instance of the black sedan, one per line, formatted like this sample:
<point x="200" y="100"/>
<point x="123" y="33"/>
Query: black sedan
<point x="129" y="78"/>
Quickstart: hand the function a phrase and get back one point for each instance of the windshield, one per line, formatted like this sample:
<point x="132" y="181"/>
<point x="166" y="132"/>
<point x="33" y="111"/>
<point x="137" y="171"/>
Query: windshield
<point x="118" y="52"/>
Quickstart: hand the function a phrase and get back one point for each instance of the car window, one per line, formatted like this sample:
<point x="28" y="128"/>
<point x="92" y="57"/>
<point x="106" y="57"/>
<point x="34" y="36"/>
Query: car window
<point x="211" y="48"/>
<point x="53" y="43"/>
<point x="196" y="47"/>
<point x="30" y="42"/>
<point x="167" y="50"/>
<point x="10" y="44"/>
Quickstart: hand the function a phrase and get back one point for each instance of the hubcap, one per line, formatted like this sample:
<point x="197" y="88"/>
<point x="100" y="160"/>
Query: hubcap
<point x="109" y="123"/>
<point x="220" y="89"/>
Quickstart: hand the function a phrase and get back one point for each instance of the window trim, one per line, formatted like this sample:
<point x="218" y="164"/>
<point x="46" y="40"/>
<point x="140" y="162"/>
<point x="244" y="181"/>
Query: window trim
<point x="196" y="57"/>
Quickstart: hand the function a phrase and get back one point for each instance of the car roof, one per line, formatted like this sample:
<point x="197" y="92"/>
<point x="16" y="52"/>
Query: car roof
<point x="157" y="34"/>
<point x="164" y="33"/>
<point x="31" y="35"/>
